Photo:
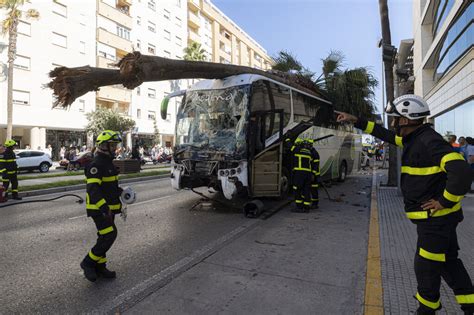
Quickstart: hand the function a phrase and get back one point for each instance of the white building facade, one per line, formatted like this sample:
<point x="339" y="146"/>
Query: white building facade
<point x="444" y="62"/>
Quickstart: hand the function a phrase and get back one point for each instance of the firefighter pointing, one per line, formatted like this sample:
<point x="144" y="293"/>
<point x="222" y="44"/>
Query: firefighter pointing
<point x="434" y="180"/>
<point x="9" y="169"/>
<point x="102" y="204"/>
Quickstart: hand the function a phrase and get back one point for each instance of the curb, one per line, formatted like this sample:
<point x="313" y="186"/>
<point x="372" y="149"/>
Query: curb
<point x="141" y="291"/>
<point x="373" y="301"/>
<point x="53" y="190"/>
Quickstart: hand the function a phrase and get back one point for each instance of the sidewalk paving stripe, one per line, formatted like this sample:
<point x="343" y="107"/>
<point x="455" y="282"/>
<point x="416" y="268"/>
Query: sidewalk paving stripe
<point x="373" y="304"/>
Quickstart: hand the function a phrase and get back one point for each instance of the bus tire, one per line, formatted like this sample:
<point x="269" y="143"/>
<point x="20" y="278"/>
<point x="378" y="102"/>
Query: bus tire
<point x="285" y="183"/>
<point x="342" y="172"/>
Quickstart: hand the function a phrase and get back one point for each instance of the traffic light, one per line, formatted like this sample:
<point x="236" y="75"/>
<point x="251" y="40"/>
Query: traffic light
<point x="388" y="53"/>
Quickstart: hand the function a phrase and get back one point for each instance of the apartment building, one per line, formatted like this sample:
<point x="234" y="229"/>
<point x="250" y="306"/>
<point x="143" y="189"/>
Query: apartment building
<point x="99" y="33"/>
<point x="222" y="39"/>
<point x="444" y="62"/>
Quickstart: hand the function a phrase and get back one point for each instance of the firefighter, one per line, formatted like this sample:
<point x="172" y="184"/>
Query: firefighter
<point x="433" y="182"/>
<point x="102" y="204"/>
<point x="9" y="169"/>
<point x="302" y="173"/>
<point x="315" y="178"/>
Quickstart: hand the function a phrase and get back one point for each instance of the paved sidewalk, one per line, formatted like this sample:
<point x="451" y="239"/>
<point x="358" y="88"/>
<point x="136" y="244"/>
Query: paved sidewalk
<point x="398" y="244"/>
<point x="292" y="263"/>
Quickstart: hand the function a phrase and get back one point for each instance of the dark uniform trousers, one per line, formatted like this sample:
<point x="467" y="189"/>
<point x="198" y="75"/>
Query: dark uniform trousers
<point x="102" y="204"/>
<point x="8" y="169"/>
<point x="436" y="257"/>
<point x="10" y="178"/>
<point x="315" y="177"/>
<point x="301" y="186"/>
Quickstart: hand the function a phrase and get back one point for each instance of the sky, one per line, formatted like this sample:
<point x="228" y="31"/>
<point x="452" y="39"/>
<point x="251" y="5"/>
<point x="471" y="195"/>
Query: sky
<point x="310" y="29"/>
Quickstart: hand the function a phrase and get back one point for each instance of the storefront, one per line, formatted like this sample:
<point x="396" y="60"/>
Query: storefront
<point x="458" y="121"/>
<point x="66" y="138"/>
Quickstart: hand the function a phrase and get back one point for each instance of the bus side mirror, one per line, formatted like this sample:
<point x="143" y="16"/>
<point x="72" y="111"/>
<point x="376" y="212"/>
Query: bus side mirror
<point x="164" y="108"/>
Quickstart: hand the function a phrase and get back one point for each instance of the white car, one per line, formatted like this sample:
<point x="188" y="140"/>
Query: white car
<point x="33" y="160"/>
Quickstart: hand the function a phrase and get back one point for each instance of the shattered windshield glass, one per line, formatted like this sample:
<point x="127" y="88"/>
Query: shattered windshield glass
<point x="214" y="120"/>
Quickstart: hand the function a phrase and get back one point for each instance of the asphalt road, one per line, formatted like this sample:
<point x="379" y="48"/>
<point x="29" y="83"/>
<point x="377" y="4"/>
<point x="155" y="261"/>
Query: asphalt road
<point x="41" y="245"/>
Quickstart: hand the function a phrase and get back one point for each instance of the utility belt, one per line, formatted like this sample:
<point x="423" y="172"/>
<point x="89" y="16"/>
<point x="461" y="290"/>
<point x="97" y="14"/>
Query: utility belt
<point x="426" y="214"/>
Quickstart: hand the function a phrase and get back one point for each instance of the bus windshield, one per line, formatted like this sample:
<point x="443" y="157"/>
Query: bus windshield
<point x="214" y="120"/>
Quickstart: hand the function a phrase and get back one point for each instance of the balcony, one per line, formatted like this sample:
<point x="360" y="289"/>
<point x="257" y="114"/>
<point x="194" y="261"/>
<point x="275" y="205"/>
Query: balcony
<point x="193" y="19"/>
<point x="194" y="5"/>
<point x="225" y="40"/>
<point x="125" y="2"/>
<point x="193" y="36"/>
<point x="105" y="63"/>
<point x="115" y="94"/>
<point x="113" y="40"/>
<point x="115" y="15"/>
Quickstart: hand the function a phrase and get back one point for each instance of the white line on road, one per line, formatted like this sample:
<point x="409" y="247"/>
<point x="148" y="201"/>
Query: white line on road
<point x="80" y="216"/>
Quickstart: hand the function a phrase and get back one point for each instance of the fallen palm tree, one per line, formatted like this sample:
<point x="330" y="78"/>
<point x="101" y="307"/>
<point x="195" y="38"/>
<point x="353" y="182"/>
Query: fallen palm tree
<point x="70" y="83"/>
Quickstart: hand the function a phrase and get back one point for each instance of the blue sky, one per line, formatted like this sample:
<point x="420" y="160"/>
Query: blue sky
<point x="310" y="29"/>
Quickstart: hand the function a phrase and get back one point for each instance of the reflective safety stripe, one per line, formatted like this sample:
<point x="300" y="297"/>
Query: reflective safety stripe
<point x="315" y="160"/>
<point x="314" y="185"/>
<point x="370" y="127"/>
<point x="302" y="169"/>
<point x="11" y="172"/>
<point x="94" y="180"/>
<point x="5" y="180"/>
<point x="106" y="230"/>
<point x="94" y="257"/>
<point x="3" y="170"/>
<point x="399" y="141"/>
<point x="14" y="190"/>
<point x="421" y="170"/>
<point x="316" y="173"/>
<point x="432" y="256"/>
<point x="307" y="203"/>
<point x="465" y="299"/>
<point x="314" y="199"/>
<point x="432" y="305"/>
<point x="6" y="161"/>
<point x="418" y="215"/>
<point x="109" y="178"/>
<point x="298" y="201"/>
<point x="450" y="157"/>
<point x="115" y="207"/>
<point x="102" y="260"/>
<point x="94" y="206"/>
<point x="451" y="197"/>
<point x="294" y="187"/>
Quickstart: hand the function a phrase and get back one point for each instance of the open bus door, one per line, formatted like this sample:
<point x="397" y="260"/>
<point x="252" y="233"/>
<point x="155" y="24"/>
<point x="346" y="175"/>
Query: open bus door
<point x="165" y="102"/>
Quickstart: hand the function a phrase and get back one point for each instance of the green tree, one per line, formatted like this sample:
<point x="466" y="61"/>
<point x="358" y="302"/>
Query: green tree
<point x="10" y="28"/>
<point x="106" y="119"/>
<point x="194" y="52"/>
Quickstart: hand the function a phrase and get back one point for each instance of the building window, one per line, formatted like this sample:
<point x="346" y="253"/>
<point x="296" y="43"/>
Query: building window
<point x="178" y="41"/>
<point x="24" y="28"/>
<point x="82" y="19"/>
<point x="139" y="20"/>
<point x="138" y="90"/>
<point x="59" y="9"/>
<point x="106" y="51"/>
<point x="167" y="54"/>
<point x="139" y="44"/>
<point x="167" y="35"/>
<point x="151" y="93"/>
<point x="123" y="32"/>
<point x="442" y="11"/>
<point x="22" y="62"/>
<point x="151" y="115"/>
<point x="82" y="105"/>
<point x="82" y="47"/>
<point x="21" y="97"/>
<point x="457" y="121"/>
<point x="166" y="14"/>
<point x="152" y="5"/>
<point x="59" y="40"/>
<point x="151" y="49"/>
<point x="139" y="113"/>
<point x="178" y="21"/>
<point x="178" y="3"/>
<point x="152" y="27"/>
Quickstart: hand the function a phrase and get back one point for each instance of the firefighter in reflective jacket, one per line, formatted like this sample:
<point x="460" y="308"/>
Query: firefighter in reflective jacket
<point x="316" y="173"/>
<point x="434" y="180"/>
<point x="9" y="169"/>
<point x="102" y="204"/>
<point x="302" y="174"/>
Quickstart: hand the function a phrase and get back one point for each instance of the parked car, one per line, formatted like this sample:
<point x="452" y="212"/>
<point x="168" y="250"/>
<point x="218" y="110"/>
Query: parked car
<point x="80" y="161"/>
<point x="33" y="160"/>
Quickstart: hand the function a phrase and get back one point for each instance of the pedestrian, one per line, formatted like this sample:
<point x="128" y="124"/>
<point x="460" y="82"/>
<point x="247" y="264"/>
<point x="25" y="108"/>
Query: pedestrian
<point x="433" y="182"/>
<point x="9" y="169"/>
<point x="49" y="151"/>
<point x="102" y="204"/>
<point x="463" y="147"/>
<point x="452" y="142"/>
<point x="470" y="151"/>
<point x="62" y="153"/>
<point x="316" y="173"/>
<point x="302" y="175"/>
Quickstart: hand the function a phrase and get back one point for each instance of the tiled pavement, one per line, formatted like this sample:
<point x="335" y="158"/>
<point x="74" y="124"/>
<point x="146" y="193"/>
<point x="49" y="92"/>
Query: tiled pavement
<point x="398" y="243"/>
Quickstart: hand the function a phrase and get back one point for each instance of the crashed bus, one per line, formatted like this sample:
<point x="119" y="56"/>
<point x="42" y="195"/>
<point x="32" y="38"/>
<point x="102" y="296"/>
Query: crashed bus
<point x="230" y="136"/>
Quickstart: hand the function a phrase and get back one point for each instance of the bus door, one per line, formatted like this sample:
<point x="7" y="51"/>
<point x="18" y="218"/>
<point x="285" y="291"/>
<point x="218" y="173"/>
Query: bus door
<point x="266" y="158"/>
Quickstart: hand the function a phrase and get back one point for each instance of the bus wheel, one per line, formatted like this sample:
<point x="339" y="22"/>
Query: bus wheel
<point x="342" y="172"/>
<point x="285" y="183"/>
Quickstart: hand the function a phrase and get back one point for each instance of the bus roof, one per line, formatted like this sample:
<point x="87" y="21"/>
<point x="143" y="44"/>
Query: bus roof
<point x="242" y="79"/>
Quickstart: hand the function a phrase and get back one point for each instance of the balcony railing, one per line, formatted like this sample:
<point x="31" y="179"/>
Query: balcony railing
<point x="116" y="15"/>
<point x="115" y="93"/>
<point x="113" y="40"/>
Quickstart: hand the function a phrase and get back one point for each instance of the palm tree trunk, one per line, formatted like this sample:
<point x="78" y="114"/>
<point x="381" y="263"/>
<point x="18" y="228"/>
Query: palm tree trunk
<point x="135" y="68"/>
<point x="389" y="89"/>
<point x="11" y="59"/>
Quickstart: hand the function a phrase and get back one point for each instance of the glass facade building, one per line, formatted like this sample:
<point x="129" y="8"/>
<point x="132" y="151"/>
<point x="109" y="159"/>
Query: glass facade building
<point x="458" y="121"/>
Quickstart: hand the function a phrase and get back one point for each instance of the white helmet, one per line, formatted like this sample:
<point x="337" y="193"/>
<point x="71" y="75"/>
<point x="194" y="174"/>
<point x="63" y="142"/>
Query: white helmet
<point x="409" y="106"/>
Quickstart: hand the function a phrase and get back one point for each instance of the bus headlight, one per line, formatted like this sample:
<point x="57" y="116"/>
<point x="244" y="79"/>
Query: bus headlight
<point x="221" y="172"/>
<point x="226" y="172"/>
<point x="239" y="170"/>
<point x="233" y="171"/>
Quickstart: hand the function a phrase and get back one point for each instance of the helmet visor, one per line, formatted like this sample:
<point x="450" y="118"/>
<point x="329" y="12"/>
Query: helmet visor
<point x="391" y="110"/>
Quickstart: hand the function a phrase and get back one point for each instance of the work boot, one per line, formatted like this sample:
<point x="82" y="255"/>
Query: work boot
<point x="89" y="271"/>
<point x="102" y="271"/>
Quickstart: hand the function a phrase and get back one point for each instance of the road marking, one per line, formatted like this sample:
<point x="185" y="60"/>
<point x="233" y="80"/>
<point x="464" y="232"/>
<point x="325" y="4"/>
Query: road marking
<point x="80" y="216"/>
<point x="373" y="304"/>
